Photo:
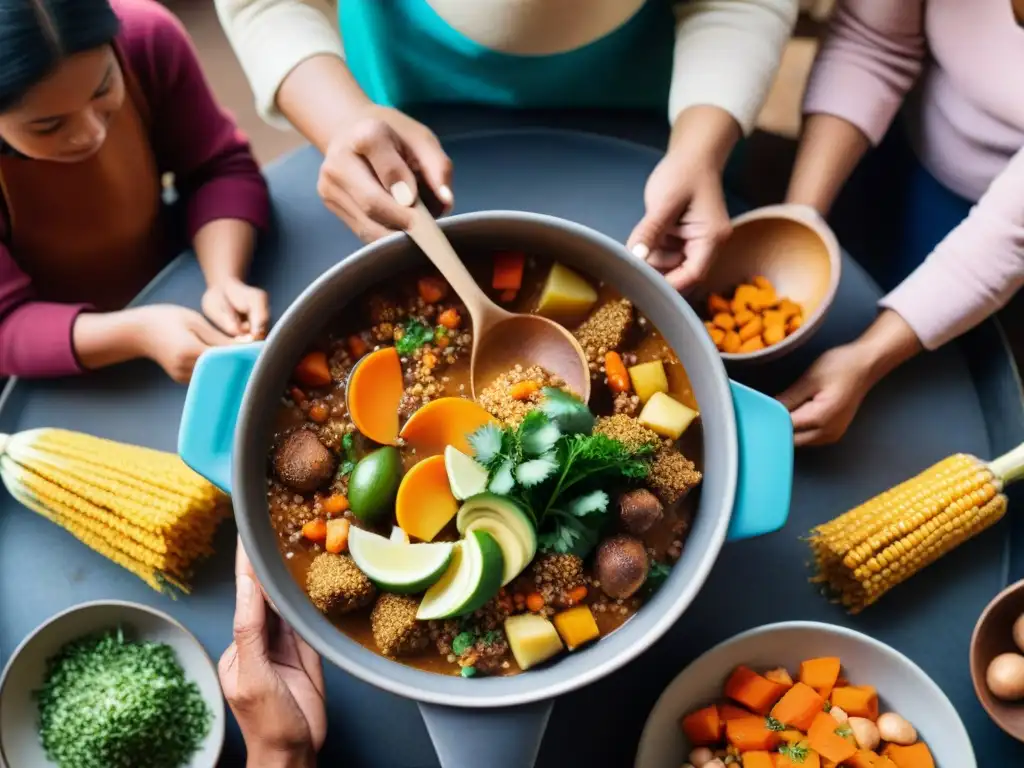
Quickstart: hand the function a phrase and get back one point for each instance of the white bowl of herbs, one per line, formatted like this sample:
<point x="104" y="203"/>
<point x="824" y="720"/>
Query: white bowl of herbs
<point x="110" y="683"/>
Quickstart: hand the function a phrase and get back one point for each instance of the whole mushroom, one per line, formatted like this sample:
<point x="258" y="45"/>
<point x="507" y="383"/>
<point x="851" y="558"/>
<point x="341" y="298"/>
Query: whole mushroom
<point x="639" y="509"/>
<point x="621" y="566"/>
<point x="302" y="462"/>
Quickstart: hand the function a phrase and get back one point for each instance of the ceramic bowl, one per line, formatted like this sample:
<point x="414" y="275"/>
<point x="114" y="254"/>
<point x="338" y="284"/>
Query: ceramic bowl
<point x="19" y="734"/>
<point x="993" y="635"/>
<point x="902" y="687"/>
<point x="796" y="250"/>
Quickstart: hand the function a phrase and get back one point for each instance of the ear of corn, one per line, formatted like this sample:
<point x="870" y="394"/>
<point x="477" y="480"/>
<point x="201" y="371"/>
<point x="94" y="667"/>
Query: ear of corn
<point x="864" y="553"/>
<point x="143" y="509"/>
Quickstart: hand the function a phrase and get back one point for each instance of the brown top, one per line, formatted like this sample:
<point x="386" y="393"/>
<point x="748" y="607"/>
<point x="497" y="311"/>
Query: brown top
<point x="90" y="231"/>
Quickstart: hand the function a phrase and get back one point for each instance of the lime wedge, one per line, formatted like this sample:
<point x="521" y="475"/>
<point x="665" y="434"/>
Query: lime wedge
<point x="465" y="476"/>
<point x="399" y="536"/>
<point x="398" y="567"/>
<point x="473" y="578"/>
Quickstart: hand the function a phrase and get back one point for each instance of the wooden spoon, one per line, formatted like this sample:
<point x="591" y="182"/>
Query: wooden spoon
<point x="501" y="339"/>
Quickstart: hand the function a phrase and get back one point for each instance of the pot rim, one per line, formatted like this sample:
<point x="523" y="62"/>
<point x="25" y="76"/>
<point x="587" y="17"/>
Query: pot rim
<point x="419" y="685"/>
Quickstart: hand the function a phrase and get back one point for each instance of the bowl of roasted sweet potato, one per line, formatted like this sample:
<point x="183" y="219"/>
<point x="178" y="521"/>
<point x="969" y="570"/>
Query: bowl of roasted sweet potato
<point x="771" y="283"/>
<point x="804" y="695"/>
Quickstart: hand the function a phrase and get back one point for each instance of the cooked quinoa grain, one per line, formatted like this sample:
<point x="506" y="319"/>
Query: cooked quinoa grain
<point x="395" y="628"/>
<point x="497" y="398"/>
<point x="336" y="585"/>
<point x="672" y="475"/>
<point x="604" y="331"/>
<point x="627" y="430"/>
<point x="626" y="404"/>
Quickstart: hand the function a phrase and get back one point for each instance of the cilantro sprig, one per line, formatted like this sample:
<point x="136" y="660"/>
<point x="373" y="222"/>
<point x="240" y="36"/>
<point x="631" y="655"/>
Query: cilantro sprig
<point x="348" y="449"/>
<point x="797" y="752"/>
<point x="415" y="334"/>
<point x="557" y="468"/>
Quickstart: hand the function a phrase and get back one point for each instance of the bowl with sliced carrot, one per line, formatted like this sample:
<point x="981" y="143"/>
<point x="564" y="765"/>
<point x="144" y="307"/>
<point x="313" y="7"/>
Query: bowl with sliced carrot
<point x="804" y="695"/>
<point x="771" y="283"/>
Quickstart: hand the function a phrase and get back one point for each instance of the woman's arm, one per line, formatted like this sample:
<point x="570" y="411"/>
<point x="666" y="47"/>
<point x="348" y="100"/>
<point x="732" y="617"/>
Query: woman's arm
<point x="974" y="271"/>
<point x="866" y="66"/>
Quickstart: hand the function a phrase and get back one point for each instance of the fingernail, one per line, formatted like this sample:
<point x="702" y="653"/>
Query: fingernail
<point x="402" y="193"/>
<point x="245" y="590"/>
<point x="444" y="194"/>
<point x="641" y="251"/>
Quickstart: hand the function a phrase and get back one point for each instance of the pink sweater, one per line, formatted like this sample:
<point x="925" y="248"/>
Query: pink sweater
<point x="192" y="138"/>
<point x="967" y="57"/>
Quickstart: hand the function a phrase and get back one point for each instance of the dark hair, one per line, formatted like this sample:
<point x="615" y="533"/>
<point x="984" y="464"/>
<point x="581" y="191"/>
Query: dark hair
<point x="36" y="35"/>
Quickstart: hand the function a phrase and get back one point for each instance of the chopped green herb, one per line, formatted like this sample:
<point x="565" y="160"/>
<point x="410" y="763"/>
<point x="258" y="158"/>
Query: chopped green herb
<point x="349" y="451"/>
<point x="844" y="730"/>
<point x="828" y="706"/>
<point x="491" y="637"/>
<point x="570" y="413"/>
<point x="107" y="702"/>
<point x="415" y="334"/>
<point x="463" y="642"/>
<point x="797" y="753"/>
<point x="468" y="672"/>
<point x="536" y="471"/>
<point x="773" y="725"/>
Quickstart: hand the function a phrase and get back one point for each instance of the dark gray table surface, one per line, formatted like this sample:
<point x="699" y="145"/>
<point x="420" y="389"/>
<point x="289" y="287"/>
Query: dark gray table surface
<point x="963" y="398"/>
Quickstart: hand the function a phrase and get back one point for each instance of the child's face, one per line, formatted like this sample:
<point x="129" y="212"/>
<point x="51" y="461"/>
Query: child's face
<point x="65" y="117"/>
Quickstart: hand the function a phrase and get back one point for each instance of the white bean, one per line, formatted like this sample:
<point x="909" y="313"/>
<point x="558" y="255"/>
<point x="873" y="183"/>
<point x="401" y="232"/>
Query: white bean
<point x="701" y="756"/>
<point x="839" y="714"/>
<point x="865" y="733"/>
<point x="896" y="730"/>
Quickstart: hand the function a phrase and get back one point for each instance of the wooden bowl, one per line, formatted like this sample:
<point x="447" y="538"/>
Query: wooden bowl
<point x="796" y="250"/>
<point x="993" y="635"/>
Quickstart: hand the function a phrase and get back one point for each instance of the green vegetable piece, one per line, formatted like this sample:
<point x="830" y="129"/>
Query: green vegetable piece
<point x="374" y="483"/>
<point x="463" y="642"/>
<point x="570" y="413"/>
<point x="415" y="334"/>
<point x="769" y="722"/>
<point x="797" y="753"/>
<point x="468" y="672"/>
<point x="657" y="573"/>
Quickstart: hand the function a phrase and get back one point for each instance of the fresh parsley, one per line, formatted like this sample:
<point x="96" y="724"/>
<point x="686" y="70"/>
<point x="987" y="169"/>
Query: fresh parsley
<point x="463" y="642"/>
<point x="828" y="706"/>
<point x="415" y="333"/>
<point x="773" y="725"/>
<point x="844" y="730"/>
<point x="348" y="449"/>
<point x="657" y="573"/>
<point x="797" y="753"/>
<point x="491" y="637"/>
<point x="553" y="465"/>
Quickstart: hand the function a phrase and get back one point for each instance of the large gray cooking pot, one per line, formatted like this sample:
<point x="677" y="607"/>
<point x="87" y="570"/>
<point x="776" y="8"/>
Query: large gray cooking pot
<point x="227" y="427"/>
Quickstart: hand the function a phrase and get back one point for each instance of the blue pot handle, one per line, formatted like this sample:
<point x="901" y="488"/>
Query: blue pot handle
<point x="498" y="738"/>
<point x="208" y="421"/>
<point x="765" y="482"/>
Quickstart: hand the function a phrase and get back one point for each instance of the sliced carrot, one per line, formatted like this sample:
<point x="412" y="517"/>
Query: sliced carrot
<point x="821" y="674"/>
<point x="577" y="594"/>
<point x="915" y="756"/>
<point x="313" y="371"/>
<point x="703" y="728"/>
<point x="432" y="289"/>
<point x="752" y="690"/>
<point x="425" y="504"/>
<point x="724" y="321"/>
<point x="315" y="530"/>
<point x="357" y="346"/>
<point x="337" y="535"/>
<point x="773" y="334"/>
<point x="762" y="282"/>
<point x="862" y="758"/>
<point x="449" y="319"/>
<point x="856" y="700"/>
<point x="824" y="740"/>
<point x="535" y="602"/>
<point x="716" y="304"/>
<point x="744" y="296"/>
<point x="374" y="393"/>
<point x="508" y="271"/>
<point x="743" y="317"/>
<point x="751" y="329"/>
<point x="335" y="504"/>
<point x="750" y="733"/>
<point x="788" y="308"/>
<point x="781" y="676"/>
<point x="731" y="342"/>
<point x="445" y="421"/>
<point x="757" y="759"/>
<point x="732" y="712"/>
<point x="799" y="706"/>
<point x="318" y="412"/>
<point x="794" y="323"/>
<point x="522" y="390"/>
<point x="615" y="370"/>
<point x="751" y="345"/>
<point x="772" y="318"/>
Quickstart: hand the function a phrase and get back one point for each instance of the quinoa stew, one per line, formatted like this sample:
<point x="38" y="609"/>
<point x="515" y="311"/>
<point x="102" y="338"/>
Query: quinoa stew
<point x="483" y="537"/>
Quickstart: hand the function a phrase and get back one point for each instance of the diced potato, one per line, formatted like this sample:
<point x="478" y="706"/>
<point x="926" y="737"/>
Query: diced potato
<point x="666" y="416"/>
<point x="577" y="626"/>
<point x="648" y="378"/>
<point x="532" y="638"/>
<point x="565" y="294"/>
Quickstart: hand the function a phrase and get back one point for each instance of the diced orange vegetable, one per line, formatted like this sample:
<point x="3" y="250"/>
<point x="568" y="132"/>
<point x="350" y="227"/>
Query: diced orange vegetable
<point x="576" y="626"/>
<point x="810" y="760"/>
<point x="856" y="701"/>
<point x="716" y="304"/>
<point x="791" y="736"/>
<point x="821" y="674"/>
<point x="789" y="308"/>
<point x="615" y="370"/>
<point x="751" y="733"/>
<point x="764" y="299"/>
<point x="772" y="318"/>
<point x="374" y="394"/>
<point x="915" y="756"/>
<point x="577" y="594"/>
<point x="731" y="342"/>
<point x="842" y="681"/>
<point x="432" y="289"/>
<point x="751" y="330"/>
<point x="762" y="282"/>
<point x="703" y="728"/>
<point x="773" y="334"/>
<point x="535" y="602"/>
<point x="318" y="413"/>
<point x="794" y="323"/>
<point x="752" y="345"/>
<point x="508" y="271"/>
<point x="752" y="690"/>
<point x="335" y="504"/>
<point x="799" y="706"/>
<point x="337" y="535"/>
<point x="732" y="712"/>
<point x="522" y="390"/>
<point x="445" y="421"/>
<point x="717" y="334"/>
<point x="862" y="758"/>
<point x="424" y="504"/>
<point x="357" y="346"/>
<point x="884" y="762"/>
<point x="315" y="530"/>
<point x="745" y="295"/>
<point x="758" y="759"/>
<point x="507" y="297"/>
<point x="743" y="317"/>
<point x="449" y="319"/>
<point x="313" y="371"/>
<point x="781" y="676"/>
<point x="724" y="321"/>
<point x="824" y="740"/>
<point x="429" y="360"/>
<point x="826" y="763"/>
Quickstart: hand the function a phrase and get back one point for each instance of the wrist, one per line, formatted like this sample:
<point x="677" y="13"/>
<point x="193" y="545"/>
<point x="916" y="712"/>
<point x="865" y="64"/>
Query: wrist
<point x="705" y="134"/>
<point x="275" y="758"/>
<point x="102" y="339"/>
<point x="888" y="343"/>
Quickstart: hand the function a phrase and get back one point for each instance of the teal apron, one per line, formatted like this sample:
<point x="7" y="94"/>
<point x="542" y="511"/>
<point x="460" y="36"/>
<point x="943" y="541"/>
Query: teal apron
<point x="402" y="53"/>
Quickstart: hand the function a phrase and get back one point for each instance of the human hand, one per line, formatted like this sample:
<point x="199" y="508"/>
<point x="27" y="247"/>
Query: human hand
<point x="685" y="215"/>
<point x="237" y="309"/>
<point x="368" y="177"/>
<point x="272" y="680"/>
<point x="175" y="337"/>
